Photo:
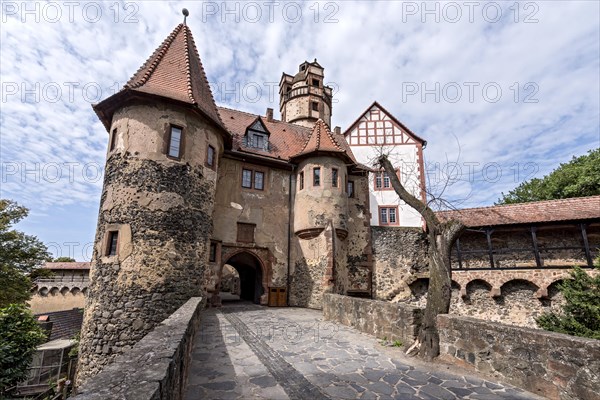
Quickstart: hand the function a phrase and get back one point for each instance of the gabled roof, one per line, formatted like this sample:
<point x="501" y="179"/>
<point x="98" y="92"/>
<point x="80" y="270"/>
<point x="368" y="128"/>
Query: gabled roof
<point x="174" y="71"/>
<point x="322" y="140"/>
<point x="574" y="209"/>
<point x="258" y="120"/>
<point x="394" y="119"/>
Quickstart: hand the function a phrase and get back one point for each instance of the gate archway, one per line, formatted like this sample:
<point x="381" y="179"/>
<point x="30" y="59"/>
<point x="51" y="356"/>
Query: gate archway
<point x="252" y="273"/>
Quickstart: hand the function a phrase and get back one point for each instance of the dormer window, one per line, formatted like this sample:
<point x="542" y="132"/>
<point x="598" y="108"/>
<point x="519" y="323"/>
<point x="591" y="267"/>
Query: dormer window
<point x="257" y="136"/>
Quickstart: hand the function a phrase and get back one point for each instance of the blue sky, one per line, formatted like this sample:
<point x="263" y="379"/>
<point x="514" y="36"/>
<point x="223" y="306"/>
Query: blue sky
<point x="504" y="90"/>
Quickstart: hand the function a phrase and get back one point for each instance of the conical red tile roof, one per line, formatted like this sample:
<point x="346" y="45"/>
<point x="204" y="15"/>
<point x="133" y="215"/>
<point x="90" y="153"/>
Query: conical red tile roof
<point x="173" y="71"/>
<point x="321" y="139"/>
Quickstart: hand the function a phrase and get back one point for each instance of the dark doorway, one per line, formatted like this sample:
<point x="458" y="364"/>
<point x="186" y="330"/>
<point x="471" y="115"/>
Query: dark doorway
<point x="250" y="272"/>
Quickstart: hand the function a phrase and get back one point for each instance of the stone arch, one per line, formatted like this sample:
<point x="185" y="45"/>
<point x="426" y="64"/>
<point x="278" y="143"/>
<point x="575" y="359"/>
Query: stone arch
<point x="418" y="290"/>
<point x="519" y="302"/>
<point x="517" y="284"/>
<point x="477" y="284"/>
<point x="249" y="265"/>
<point x="64" y="290"/>
<point x="54" y="291"/>
<point x="75" y="291"/>
<point x="43" y="291"/>
<point x="554" y="298"/>
<point x="85" y="291"/>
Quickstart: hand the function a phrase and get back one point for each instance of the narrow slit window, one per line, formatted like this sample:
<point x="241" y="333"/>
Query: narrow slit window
<point x="175" y="142"/>
<point x="317" y="177"/>
<point x="113" y="140"/>
<point x="113" y="242"/>
<point x="350" y="189"/>
<point x="301" y="180"/>
<point x="334" y="177"/>
<point x="212" y="256"/>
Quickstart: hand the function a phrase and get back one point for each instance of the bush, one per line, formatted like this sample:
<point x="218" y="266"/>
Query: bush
<point x="581" y="313"/>
<point x="20" y="334"/>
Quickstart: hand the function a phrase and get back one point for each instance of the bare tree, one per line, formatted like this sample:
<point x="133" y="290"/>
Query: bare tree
<point x="442" y="236"/>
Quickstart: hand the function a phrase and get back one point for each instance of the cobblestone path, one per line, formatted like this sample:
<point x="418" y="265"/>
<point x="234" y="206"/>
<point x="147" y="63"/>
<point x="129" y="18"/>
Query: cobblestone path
<point x="244" y="351"/>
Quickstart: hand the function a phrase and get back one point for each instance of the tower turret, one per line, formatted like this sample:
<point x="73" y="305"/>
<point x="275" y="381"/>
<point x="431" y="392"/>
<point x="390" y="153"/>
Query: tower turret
<point x="304" y="98"/>
<point x="155" y="218"/>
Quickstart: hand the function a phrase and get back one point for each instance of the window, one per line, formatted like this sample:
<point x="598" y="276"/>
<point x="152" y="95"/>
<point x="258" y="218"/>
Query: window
<point x="317" y="176"/>
<point x="315" y="82"/>
<point x="334" y="177"/>
<point x="382" y="180"/>
<point x="175" y="142"/>
<point x="247" y="178"/>
<point x="253" y="179"/>
<point x="315" y="106"/>
<point x="388" y="215"/>
<point x="245" y="232"/>
<point x="210" y="156"/>
<point x="301" y="180"/>
<point x="258" y="141"/>
<point x="350" y="188"/>
<point x="212" y="255"/>
<point x="113" y="140"/>
<point x="113" y="242"/>
<point x="259" y="180"/>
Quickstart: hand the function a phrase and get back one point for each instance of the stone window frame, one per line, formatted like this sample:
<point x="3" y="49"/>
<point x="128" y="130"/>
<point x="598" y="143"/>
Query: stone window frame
<point x="124" y="244"/>
<point x="253" y="170"/>
<point x="108" y="247"/>
<point x="381" y="174"/>
<point x="316" y="82"/>
<point x="113" y="141"/>
<point x="313" y="104"/>
<point x="316" y="176"/>
<point x="213" y="164"/>
<point x="387" y="208"/>
<point x="168" y="134"/>
<point x="212" y="252"/>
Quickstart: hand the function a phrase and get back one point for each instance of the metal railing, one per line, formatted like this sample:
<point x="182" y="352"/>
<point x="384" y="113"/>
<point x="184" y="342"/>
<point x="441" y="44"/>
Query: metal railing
<point x="65" y="279"/>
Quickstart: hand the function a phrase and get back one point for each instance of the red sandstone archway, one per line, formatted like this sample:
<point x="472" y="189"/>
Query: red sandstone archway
<point x="249" y="265"/>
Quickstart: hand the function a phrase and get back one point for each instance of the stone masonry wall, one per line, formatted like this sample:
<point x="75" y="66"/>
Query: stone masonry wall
<point x="393" y="321"/>
<point x="400" y="257"/>
<point x="553" y="365"/>
<point x="156" y="367"/>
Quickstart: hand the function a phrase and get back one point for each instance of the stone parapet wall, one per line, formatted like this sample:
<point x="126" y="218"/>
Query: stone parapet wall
<point x="553" y="365"/>
<point x="156" y="367"/>
<point x="382" y="319"/>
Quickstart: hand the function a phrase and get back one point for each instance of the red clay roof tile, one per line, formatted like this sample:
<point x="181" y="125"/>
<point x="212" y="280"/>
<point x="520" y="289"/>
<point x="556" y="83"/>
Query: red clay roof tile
<point x="578" y="208"/>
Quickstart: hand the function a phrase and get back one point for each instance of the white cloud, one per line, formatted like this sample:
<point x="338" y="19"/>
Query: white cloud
<point x="372" y="53"/>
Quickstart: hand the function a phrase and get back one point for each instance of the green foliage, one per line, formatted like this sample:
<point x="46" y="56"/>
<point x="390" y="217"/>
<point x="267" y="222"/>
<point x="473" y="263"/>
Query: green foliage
<point x="581" y="313"/>
<point x="579" y="177"/>
<point x="19" y="255"/>
<point x="20" y="335"/>
<point x="64" y="259"/>
<point x="41" y="273"/>
<point x="397" y="343"/>
<point x="74" y="352"/>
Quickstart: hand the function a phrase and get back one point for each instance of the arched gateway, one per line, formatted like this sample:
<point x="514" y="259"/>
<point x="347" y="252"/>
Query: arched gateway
<point x="253" y="273"/>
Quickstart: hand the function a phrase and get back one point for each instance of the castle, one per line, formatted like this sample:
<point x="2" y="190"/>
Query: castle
<point x="190" y="187"/>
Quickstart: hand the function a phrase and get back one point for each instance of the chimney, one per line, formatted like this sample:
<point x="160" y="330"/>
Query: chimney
<point x="337" y="130"/>
<point x="270" y="114"/>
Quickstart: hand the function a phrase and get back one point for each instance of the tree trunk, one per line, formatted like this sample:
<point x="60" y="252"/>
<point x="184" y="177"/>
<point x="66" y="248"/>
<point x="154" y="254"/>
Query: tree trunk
<point x="441" y="238"/>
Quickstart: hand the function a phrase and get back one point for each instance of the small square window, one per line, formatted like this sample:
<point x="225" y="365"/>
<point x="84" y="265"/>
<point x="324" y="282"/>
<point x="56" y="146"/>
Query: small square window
<point x="315" y="82"/>
<point x="317" y="176"/>
<point x="175" y="142"/>
<point x="259" y="180"/>
<point x="315" y="106"/>
<point x="334" y="177"/>
<point x="113" y="243"/>
<point x="210" y="156"/>
<point x="247" y="178"/>
<point x="301" y="180"/>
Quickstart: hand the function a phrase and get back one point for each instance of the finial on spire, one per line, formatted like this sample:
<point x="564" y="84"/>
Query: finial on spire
<point x="185" y="13"/>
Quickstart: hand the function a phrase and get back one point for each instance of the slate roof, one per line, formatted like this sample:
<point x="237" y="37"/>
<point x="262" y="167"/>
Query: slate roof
<point x="68" y="265"/>
<point x="574" y="209"/>
<point x="65" y="324"/>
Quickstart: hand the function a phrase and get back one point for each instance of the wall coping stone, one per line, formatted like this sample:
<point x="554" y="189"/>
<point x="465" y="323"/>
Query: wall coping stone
<point x="156" y="367"/>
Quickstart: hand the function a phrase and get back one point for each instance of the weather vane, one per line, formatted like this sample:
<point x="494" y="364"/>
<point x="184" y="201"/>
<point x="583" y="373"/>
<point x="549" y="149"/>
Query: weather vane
<point x="185" y="13"/>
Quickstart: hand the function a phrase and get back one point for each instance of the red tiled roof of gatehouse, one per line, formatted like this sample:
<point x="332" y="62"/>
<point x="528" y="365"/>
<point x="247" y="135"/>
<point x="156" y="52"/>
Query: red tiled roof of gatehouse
<point x="573" y="209"/>
<point x="67" y="265"/>
<point x="321" y="139"/>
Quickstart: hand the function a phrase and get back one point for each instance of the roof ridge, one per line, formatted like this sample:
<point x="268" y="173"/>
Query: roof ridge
<point x="522" y="204"/>
<point x="156" y="56"/>
<point x="188" y="71"/>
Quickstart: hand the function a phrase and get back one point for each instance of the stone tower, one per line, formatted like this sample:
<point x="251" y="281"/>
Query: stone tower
<point x="320" y="213"/>
<point x="155" y="218"/>
<point x="304" y="98"/>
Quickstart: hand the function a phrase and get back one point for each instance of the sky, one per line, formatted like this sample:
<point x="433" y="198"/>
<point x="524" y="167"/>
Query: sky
<point x="503" y="91"/>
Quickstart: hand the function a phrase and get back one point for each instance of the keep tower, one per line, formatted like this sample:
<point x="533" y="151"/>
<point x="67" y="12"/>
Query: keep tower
<point x="304" y="98"/>
<point x="155" y="217"/>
